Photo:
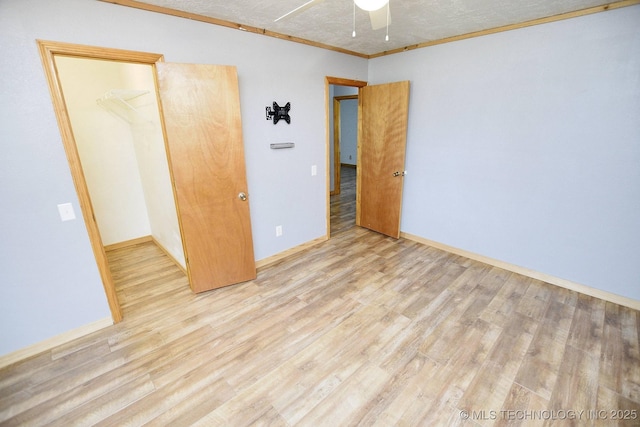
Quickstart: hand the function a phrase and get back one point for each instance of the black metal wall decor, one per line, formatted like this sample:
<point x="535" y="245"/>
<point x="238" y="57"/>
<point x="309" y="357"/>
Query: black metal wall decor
<point x="279" y="113"/>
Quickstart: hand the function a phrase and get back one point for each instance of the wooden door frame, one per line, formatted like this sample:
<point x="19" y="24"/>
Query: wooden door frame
<point x="48" y="51"/>
<point x="337" y="126"/>
<point x="336" y="81"/>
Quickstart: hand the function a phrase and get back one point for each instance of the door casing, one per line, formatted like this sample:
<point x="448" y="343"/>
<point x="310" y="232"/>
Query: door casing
<point x="48" y="50"/>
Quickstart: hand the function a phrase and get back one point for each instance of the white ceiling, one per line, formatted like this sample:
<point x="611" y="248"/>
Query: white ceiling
<point x="330" y="22"/>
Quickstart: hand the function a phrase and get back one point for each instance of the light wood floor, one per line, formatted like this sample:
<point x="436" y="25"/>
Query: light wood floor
<point x="359" y="330"/>
<point x="343" y="205"/>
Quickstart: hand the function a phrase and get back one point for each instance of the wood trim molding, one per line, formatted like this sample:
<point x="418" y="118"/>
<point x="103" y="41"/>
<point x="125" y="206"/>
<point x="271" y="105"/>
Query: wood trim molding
<point x="96" y="52"/>
<point x="563" y="283"/>
<point x="127" y="243"/>
<point x="229" y="24"/>
<point x="539" y="21"/>
<point x="48" y="344"/>
<point x="196" y="17"/>
<point x="359" y="161"/>
<point x="339" y="81"/>
<point x="145" y="239"/>
<point x="292" y="251"/>
<point x="336" y="147"/>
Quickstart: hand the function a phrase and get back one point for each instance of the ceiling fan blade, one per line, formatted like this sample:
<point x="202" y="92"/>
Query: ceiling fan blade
<point x="379" y="18"/>
<point x="299" y="9"/>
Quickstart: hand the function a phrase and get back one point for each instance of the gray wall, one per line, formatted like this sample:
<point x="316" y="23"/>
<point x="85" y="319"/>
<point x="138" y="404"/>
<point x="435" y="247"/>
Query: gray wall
<point x="524" y="146"/>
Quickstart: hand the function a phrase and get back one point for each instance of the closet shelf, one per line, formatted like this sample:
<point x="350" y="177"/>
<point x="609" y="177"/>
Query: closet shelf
<point x="117" y="102"/>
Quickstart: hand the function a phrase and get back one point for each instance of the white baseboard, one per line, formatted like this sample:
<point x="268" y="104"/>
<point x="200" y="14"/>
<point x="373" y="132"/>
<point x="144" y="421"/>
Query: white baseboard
<point x="48" y="344"/>
<point x="563" y="283"/>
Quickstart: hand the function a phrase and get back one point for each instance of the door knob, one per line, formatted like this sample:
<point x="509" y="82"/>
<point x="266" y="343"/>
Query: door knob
<point x="242" y="196"/>
<point x="396" y="173"/>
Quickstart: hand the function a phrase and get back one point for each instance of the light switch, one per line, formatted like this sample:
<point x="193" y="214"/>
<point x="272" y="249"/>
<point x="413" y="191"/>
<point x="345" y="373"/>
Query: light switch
<point x="66" y="212"/>
<point x="314" y="170"/>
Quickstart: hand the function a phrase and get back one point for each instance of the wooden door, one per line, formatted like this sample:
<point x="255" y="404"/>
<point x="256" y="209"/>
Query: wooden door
<point x="382" y="136"/>
<point x="200" y="105"/>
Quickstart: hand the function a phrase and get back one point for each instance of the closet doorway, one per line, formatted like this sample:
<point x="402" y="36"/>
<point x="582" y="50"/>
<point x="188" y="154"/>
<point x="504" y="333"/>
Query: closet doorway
<point x="114" y="115"/>
<point x="116" y="124"/>
<point x="207" y="265"/>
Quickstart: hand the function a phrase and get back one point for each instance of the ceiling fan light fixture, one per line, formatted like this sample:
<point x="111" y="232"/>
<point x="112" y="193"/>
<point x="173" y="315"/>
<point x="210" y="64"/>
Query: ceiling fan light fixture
<point x="371" y="5"/>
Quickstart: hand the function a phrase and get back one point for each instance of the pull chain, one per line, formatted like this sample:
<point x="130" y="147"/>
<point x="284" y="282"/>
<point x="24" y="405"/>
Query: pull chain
<point x="353" y="34"/>
<point x="387" y="37"/>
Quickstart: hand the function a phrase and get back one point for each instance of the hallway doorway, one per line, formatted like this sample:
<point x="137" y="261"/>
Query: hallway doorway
<point x="338" y="205"/>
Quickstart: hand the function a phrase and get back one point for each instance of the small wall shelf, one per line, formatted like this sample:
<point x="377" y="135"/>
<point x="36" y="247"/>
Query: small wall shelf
<point x="281" y="145"/>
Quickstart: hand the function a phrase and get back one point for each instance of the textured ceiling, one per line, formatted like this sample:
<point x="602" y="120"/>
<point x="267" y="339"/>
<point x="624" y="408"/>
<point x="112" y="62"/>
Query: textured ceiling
<point x="330" y="22"/>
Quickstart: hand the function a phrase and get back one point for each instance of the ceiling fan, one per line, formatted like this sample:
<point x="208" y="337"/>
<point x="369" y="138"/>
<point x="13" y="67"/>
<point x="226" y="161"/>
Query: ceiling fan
<point x="378" y="13"/>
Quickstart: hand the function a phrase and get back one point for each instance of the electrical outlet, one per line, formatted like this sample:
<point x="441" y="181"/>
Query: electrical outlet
<point x="278" y="230"/>
<point x="314" y="170"/>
